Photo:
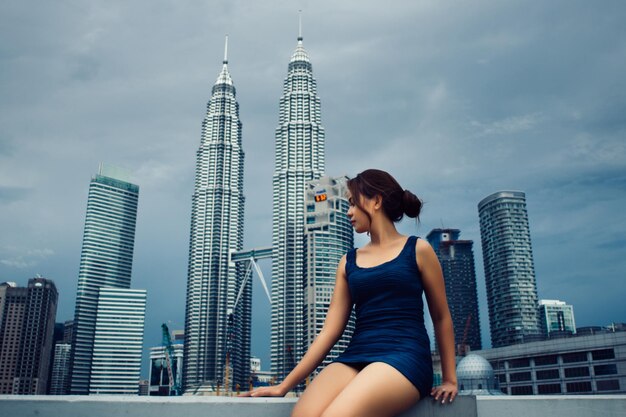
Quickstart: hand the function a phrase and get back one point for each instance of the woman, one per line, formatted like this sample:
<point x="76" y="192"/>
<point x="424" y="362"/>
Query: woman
<point x="387" y="366"/>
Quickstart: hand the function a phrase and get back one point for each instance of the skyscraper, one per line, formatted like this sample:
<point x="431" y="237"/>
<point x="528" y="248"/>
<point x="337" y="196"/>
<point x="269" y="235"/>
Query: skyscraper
<point x="557" y="318"/>
<point x="106" y="261"/>
<point x="457" y="263"/>
<point x="216" y="230"/>
<point x="299" y="159"/>
<point x="27" y="317"/>
<point x="328" y="236"/>
<point x="509" y="268"/>
<point x="118" y="341"/>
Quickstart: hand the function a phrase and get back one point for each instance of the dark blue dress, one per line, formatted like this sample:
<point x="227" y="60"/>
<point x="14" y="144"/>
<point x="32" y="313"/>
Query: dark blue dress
<point x="390" y="317"/>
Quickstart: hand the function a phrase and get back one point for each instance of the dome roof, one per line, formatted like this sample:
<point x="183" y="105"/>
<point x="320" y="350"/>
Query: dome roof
<point x="474" y="367"/>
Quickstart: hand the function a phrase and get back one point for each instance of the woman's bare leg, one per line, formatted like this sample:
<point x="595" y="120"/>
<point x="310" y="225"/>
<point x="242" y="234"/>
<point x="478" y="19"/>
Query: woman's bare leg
<point x="379" y="390"/>
<point x="323" y="390"/>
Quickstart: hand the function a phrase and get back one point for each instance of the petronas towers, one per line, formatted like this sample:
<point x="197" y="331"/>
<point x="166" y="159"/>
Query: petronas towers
<point x="299" y="159"/>
<point x="213" y="282"/>
<point x="218" y="310"/>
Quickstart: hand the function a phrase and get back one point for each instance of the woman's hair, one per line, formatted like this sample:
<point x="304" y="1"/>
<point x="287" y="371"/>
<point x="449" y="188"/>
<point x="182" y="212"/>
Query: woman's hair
<point x="396" y="201"/>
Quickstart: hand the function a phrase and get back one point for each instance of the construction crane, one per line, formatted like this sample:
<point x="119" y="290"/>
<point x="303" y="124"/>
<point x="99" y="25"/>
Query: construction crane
<point x="168" y="349"/>
<point x="231" y="315"/>
<point x="462" y="349"/>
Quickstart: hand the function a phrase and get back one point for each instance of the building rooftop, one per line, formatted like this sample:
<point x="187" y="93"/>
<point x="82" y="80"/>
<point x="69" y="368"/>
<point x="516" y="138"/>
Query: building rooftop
<point x="463" y="406"/>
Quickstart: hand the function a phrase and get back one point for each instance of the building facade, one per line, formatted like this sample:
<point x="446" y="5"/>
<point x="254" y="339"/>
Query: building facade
<point x="159" y="376"/>
<point x="213" y="282"/>
<point x="328" y="236"/>
<point x="118" y="341"/>
<point x="592" y="364"/>
<point x="557" y="318"/>
<point x="299" y="159"/>
<point x="106" y="261"/>
<point x="509" y="268"/>
<point x="457" y="263"/>
<point x="27" y="316"/>
<point x="60" y="369"/>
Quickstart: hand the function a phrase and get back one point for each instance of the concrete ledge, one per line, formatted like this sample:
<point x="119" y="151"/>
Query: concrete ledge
<point x="470" y="406"/>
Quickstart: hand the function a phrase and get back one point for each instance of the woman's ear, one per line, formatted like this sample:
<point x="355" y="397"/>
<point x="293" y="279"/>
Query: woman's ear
<point x="378" y="201"/>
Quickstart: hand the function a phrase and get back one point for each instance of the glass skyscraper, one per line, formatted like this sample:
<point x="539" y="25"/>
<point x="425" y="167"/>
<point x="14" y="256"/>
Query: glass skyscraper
<point x="118" y="341"/>
<point x="456" y="257"/>
<point x="509" y="268"/>
<point x="106" y="261"/>
<point x="299" y="159"/>
<point x="328" y="235"/>
<point x="213" y="281"/>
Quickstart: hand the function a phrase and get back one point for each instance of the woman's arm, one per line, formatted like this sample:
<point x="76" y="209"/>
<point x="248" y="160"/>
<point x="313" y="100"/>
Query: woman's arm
<point x="334" y="325"/>
<point x="435" y="290"/>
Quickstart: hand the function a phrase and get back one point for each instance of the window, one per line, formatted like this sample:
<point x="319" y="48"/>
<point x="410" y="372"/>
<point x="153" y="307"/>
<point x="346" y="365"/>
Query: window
<point x="548" y="374"/>
<point x="519" y="363"/>
<point x="610" y="385"/>
<point x="549" y="389"/>
<point x="576" y="372"/>
<point x="599" y="355"/>
<point x="584" y="386"/>
<point x="610" y="369"/>
<point x="520" y="376"/>
<point x="545" y="360"/>
<point x="523" y="390"/>
<point x="574" y="357"/>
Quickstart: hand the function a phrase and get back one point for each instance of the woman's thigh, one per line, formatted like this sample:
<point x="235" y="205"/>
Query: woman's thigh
<point x="379" y="390"/>
<point x="323" y="390"/>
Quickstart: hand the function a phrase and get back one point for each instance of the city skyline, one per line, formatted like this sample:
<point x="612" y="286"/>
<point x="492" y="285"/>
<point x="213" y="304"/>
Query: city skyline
<point x="498" y="101"/>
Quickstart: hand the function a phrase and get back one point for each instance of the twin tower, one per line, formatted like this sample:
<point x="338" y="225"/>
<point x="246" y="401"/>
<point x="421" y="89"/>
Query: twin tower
<point x="218" y="311"/>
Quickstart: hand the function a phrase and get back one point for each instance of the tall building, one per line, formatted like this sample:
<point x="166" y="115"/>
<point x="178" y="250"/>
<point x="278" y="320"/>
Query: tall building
<point x="217" y="230"/>
<point x="27" y="316"/>
<point x="60" y="369"/>
<point x="557" y="318"/>
<point x="457" y="263"/>
<point x="299" y="159"/>
<point x="118" y="341"/>
<point x="509" y="268"/>
<point x="106" y="261"/>
<point x="328" y="235"/>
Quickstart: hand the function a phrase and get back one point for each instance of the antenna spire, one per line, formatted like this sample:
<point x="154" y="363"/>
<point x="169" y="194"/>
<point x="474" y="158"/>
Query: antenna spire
<point x="226" y="50"/>
<point x="299" y="25"/>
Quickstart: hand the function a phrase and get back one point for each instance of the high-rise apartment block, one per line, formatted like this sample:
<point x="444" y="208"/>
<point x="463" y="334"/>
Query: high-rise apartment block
<point x="557" y="318"/>
<point x="299" y="159"/>
<point x="509" y="268"/>
<point x="118" y="341"/>
<point x="213" y="282"/>
<point x="106" y="261"/>
<point x="27" y="316"/>
<point x="328" y="235"/>
<point x="456" y="257"/>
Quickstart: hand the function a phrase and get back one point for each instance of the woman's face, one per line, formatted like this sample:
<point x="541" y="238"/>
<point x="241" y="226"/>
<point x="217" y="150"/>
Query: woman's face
<point x="358" y="217"/>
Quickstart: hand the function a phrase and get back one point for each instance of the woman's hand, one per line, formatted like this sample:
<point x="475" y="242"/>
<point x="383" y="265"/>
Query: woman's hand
<point x="447" y="390"/>
<point x="271" y="391"/>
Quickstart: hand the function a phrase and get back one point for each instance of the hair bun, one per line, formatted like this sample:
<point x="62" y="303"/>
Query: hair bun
<point x="411" y="205"/>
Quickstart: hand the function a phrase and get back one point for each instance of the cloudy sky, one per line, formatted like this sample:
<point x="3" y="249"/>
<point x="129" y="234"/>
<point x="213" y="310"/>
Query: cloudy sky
<point x="456" y="100"/>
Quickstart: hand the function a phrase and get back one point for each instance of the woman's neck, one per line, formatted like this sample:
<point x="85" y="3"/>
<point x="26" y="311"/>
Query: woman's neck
<point x="382" y="232"/>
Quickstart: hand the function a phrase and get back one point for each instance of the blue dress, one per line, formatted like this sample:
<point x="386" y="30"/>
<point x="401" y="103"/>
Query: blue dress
<point x="389" y="311"/>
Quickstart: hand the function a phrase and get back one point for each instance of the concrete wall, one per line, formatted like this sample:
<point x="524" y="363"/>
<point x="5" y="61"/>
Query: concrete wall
<point x="111" y="406"/>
